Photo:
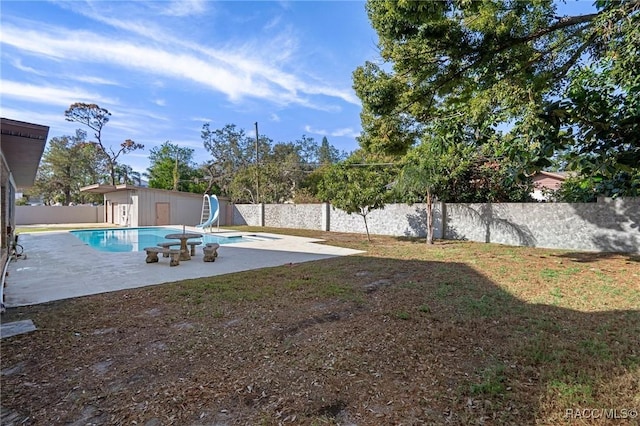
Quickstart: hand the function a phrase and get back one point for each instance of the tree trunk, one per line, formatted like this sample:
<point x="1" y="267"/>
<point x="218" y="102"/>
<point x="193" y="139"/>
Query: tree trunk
<point x="112" y="172"/>
<point x="366" y="226"/>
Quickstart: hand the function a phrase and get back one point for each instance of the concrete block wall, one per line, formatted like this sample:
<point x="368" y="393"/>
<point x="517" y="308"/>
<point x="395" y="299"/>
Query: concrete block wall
<point x="298" y="216"/>
<point x="247" y="215"/>
<point x="609" y="225"/>
<point x="394" y="219"/>
<point x="339" y="221"/>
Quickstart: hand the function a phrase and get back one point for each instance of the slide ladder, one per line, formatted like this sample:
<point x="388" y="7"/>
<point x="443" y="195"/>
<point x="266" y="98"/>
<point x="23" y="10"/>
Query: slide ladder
<point x="210" y="210"/>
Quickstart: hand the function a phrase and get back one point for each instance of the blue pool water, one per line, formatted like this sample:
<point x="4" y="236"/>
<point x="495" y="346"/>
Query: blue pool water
<point x="118" y="240"/>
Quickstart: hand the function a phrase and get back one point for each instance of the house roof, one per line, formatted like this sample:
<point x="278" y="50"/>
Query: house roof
<point x="22" y="145"/>
<point x="555" y="175"/>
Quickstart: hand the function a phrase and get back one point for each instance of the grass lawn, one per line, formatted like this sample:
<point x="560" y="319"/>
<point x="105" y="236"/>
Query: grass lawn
<point x="455" y="333"/>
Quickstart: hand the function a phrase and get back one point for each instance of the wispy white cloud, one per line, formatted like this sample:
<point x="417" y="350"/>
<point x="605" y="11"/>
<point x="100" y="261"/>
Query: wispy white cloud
<point x="17" y="63"/>
<point x="343" y="132"/>
<point x="125" y="121"/>
<point x="87" y="47"/>
<point x="136" y="122"/>
<point x="154" y="72"/>
<point x="49" y="95"/>
<point x="273" y="23"/>
<point x="310" y="129"/>
<point x="181" y="8"/>
<point x="31" y="116"/>
<point x="201" y="119"/>
<point x="346" y="132"/>
<point x="238" y="70"/>
<point x="93" y="80"/>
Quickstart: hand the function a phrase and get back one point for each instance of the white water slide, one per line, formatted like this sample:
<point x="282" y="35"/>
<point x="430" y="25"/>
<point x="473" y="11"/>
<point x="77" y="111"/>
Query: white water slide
<point x="210" y="210"/>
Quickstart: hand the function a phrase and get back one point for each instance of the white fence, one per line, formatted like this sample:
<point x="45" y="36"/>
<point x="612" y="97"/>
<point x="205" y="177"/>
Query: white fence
<point x="32" y="215"/>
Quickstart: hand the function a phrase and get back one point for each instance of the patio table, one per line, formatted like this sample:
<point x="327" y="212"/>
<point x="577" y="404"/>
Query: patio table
<point x="183" y="237"/>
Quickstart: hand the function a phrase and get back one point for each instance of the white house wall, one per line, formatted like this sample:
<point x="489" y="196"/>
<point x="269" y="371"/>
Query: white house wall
<point x="134" y="209"/>
<point x="119" y="200"/>
<point x="6" y="202"/>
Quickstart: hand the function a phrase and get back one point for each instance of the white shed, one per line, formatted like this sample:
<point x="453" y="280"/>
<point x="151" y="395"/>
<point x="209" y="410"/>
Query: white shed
<point x="133" y="206"/>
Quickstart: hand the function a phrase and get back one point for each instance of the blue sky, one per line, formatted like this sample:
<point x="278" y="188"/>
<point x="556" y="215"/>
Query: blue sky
<point x="164" y="68"/>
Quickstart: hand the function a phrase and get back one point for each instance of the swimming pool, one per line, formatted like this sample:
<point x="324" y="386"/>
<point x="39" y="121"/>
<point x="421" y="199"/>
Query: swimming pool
<point x="118" y="240"/>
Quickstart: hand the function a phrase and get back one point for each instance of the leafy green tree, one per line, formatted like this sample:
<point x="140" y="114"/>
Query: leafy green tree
<point x="309" y="187"/>
<point x="312" y="162"/>
<point x="502" y="65"/>
<point x="306" y="148"/>
<point x="172" y="167"/>
<point x="291" y="164"/>
<point x="421" y="178"/>
<point x="126" y="175"/>
<point x="327" y="153"/>
<point x="68" y="163"/>
<point x="282" y="172"/>
<point x="324" y="155"/>
<point x="242" y="188"/>
<point x="357" y="185"/>
<point x="95" y="118"/>
<point x="602" y="111"/>
<point x="573" y="190"/>
<point x="231" y="150"/>
<point x="279" y="172"/>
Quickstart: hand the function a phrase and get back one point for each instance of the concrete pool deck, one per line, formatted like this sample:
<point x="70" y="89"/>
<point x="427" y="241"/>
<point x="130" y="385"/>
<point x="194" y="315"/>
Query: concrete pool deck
<point x="60" y="266"/>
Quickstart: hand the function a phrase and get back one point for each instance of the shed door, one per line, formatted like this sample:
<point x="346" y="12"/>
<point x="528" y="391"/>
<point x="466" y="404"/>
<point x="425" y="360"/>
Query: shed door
<point x="162" y="214"/>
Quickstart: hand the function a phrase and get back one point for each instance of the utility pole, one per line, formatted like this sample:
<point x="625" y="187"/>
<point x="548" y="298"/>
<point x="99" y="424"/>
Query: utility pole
<point x="257" y="167"/>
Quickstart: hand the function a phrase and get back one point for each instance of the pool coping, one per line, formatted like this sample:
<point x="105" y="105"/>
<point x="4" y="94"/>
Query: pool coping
<point x="247" y="236"/>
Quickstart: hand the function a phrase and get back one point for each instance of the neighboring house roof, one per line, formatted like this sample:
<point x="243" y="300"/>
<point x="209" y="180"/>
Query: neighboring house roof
<point x="557" y="175"/>
<point x="550" y="180"/>
<point x="22" y="145"/>
<point x="546" y="181"/>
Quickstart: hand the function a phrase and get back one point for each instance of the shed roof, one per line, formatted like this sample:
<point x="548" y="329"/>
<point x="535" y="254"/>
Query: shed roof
<point x="100" y="188"/>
